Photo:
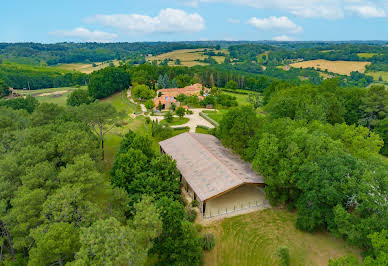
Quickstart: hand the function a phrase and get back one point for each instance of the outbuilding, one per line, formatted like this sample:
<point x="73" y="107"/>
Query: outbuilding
<point x="218" y="179"/>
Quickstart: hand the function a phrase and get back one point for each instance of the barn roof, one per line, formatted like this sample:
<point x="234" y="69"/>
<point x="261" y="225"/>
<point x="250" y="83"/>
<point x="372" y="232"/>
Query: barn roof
<point x="208" y="167"/>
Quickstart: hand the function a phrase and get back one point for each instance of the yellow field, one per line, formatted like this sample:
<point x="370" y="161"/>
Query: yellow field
<point x="86" y="68"/>
<point x="340" y="67"/>
<point x="187" y="57"/>
<point x="254" y="239"/>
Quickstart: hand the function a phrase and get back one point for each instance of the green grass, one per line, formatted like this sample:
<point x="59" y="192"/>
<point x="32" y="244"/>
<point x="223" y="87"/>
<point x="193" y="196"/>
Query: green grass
<point x="377" y="74"/>
<point x="180" y="131"/>
<point x="118" y="100"/>
<point x="366" y="55"/>
<point x="59" y="99"/>
<point x="49" y="90"/>
<point x="254" y="239"/>
<point x="202" y="130"/>
<point x="216" y="115"/>
<point x="176" y="121"/>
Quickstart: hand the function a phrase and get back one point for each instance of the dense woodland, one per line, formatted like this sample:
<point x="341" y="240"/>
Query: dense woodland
<point x="317" y="157"/>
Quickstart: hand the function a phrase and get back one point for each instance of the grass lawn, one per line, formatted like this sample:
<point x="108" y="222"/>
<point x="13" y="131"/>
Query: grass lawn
<point x="216" y="115"/>
<point x="180" y="131"/>
<point x="201" y="130"/>
<point x="254" y="239"/>
<point x="118" y="100"/>
<point x="242" y="99"/>
<point x="176" y="121"/>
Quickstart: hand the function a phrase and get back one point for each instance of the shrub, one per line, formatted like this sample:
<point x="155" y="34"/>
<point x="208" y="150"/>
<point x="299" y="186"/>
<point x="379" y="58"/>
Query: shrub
<point x="168" y="116"/>
<point x="161" y="132"/>
<point x="195" y="203"/>
<point x="198" y="227"/>
<point x="183" y="200"/>
<point x="208" y="241"/>
<point x="284" y="255"/>
<point x="180" y="111"/>
<point x="191" y="215"/>
<point x="148" y="120"/>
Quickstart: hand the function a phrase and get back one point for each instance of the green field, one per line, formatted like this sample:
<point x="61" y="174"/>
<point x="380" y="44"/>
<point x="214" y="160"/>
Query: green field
<point x="216" y="115"/>
<point x="187" y="57"/>
<point x="377" y="74"/>
<point x="51" y="95"/>
<point x="366" y="55"/>
<point x="254" y="239"/>
<point x="202" y="130"/>
<point x="86" y="68"/>
<point x="176" y="121"/>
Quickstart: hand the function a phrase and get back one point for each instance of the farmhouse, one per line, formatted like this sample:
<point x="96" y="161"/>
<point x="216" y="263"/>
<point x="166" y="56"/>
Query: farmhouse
<point x="218" y="179"/>
<point x="168" y="95"/>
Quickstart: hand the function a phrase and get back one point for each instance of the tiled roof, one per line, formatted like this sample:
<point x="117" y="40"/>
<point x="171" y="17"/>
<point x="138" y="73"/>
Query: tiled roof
<point x="209" y="168"/>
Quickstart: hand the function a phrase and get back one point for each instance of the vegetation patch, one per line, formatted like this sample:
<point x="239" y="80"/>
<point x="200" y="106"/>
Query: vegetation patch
<point x="255" y="238"/>
<point x="340" y="67"/>
<point x="187" y="57"/>
<point x="87" y="68"/>
<point x="176" y="121"/>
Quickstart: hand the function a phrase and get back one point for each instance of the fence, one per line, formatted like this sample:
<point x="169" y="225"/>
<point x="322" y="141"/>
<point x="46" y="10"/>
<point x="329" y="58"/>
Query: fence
<point x="211" y="121"/>
<point x="236" y="208"/>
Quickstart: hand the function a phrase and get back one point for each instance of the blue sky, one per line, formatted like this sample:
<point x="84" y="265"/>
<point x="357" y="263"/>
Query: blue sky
<point x="51" y="21"/>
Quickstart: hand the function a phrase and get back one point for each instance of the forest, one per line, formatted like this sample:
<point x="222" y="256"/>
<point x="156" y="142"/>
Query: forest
<point x="318" y="156"/>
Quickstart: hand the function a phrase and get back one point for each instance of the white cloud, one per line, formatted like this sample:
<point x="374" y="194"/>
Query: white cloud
<point x="83" y="34"/>
<point x="167" y="21"/>
<point x="330" y="9"/>
<point x="282" y="38"/>
<point x="279" y="24"/>
<point x="233" y="21"/>
<point x="367" y="11"/>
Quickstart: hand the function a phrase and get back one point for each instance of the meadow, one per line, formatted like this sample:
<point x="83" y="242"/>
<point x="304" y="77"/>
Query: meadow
<point x="86" y="68"/>
<point x="187" y="57"/>
<point x="377" y="74"/>
<point x="254" y="239"/>
<point x="51" y="95"/>
<point x="339" y="67"/>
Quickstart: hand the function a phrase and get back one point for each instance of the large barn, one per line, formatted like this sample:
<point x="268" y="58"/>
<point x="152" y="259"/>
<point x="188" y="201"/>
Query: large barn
<point x="218" y="179"/>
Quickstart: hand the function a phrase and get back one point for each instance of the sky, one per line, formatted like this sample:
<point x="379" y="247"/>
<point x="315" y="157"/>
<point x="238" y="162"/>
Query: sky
<point x="50" y="21"/>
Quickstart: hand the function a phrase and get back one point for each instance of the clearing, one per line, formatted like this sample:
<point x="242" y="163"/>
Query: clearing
<point x="86" y="68"/>
<point x="339" y="67"/>
<point x="188" y="57"/>
<point x="377" y="74"/>
<point x="254" y="239"/>
<point x="51" y="95"/>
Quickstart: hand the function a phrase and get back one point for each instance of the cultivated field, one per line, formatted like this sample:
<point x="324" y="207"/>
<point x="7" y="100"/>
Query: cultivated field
<point x="86" y="68"/>
<point x="340" y="67"/>
<point x="187" y="57"/>
<point x="254" y="239"/>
